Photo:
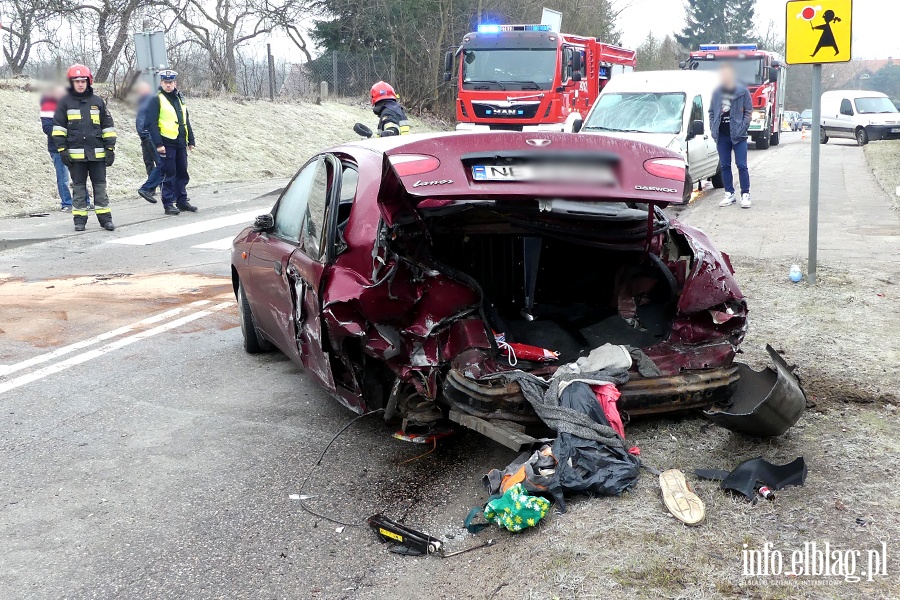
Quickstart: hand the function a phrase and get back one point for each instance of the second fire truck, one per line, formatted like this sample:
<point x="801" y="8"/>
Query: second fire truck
<point x="765" y="76"/>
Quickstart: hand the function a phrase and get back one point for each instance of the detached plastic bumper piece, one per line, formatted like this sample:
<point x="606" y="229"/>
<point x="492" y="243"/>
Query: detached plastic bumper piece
<point x="766" y="403"/>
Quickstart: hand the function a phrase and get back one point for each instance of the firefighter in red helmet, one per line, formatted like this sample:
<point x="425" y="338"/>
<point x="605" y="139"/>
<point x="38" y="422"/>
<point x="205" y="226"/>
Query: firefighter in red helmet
<point x="392" y="118"/>
<point x="85" y="137"/>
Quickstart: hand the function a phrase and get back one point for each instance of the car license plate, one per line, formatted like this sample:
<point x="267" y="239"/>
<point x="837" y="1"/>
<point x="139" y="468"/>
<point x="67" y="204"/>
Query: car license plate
<point x="895" y="130"/>
<point x="546" y="172"/>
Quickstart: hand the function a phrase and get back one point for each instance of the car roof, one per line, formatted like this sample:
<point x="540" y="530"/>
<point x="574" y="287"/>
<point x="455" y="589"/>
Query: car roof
<point x="663" y="81"/>
<point x="386" y="144"/>
<point x="853" y="94"/>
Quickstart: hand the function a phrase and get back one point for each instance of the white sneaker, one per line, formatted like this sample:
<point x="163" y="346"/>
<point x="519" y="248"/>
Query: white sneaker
<point x="745" y="201"/>
<point x="728" y="200"/>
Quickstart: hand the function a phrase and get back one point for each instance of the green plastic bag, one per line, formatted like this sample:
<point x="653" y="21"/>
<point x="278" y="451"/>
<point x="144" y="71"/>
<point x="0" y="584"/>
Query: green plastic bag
<point x="516" y="510"/>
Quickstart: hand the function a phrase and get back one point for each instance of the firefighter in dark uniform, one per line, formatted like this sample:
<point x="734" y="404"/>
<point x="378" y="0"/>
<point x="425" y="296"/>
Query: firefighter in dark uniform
<point x="169" y="127"/>
<point x="392" y="118"/>
<point x="85" y="137"/>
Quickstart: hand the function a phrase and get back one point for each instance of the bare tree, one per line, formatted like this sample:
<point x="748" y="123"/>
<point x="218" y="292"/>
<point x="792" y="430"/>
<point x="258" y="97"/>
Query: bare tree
<point x="24" y="31"/>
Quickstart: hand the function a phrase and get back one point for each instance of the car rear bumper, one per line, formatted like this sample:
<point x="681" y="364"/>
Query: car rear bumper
<point x="494" y="399"/>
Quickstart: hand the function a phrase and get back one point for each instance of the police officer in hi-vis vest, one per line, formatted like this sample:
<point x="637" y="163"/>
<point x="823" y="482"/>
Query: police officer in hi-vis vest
<point x="170" y="129"/>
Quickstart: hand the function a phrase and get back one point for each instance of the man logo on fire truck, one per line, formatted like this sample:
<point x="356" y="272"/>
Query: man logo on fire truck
<point x="529" y="78"/>
<point x="763" y="73"/>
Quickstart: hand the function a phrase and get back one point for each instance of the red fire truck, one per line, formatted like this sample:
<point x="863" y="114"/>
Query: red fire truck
<point x="529" y="78"/>
<point x="763" y="73"/>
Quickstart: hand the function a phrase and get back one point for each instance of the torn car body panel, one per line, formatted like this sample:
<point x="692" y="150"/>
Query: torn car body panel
<point x="766" y="403"/>
<point x="423" y="264"/>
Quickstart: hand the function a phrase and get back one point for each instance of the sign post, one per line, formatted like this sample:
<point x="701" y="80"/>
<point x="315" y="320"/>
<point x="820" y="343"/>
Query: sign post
<point x="817" y="32"/>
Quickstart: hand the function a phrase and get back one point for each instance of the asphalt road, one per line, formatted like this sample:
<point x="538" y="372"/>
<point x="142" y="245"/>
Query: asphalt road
<point x="144" y="455"/>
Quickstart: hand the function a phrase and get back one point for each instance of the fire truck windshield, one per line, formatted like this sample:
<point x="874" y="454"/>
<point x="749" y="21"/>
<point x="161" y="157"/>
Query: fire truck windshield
<point x="637" y="113"/>
<point x="519" y="68"/>
<point x="749" y="71"/>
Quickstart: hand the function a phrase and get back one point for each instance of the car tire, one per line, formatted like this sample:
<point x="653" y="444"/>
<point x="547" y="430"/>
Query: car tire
<point x="762" y="142"/>
<point x="823" y="137"/>
<point x="688" y="188"/>
<point x="862" y="137"/>
<point x="716" y="180"/>
<point x="776" y="138"/>
<point x="254" y="343"/>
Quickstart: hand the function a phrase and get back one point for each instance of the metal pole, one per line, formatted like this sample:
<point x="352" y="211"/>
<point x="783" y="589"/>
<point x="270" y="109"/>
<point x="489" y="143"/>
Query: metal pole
<point x="334" y="72"/>
<point x="271" y="64"/>
<point x="814" y="172"/>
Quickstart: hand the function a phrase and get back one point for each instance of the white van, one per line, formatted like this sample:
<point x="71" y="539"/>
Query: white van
<point x="859" y="115"/>
<point x="664" y="108"/>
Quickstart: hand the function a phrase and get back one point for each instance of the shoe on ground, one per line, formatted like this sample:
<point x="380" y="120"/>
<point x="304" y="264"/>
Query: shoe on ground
<point x="728" y="200"/>
<point x="745" y="201"/>
<point x="680" y="499"/>
<point x="187" y="207"/>
<point x="108" y="225"/>
<point x="147" y="196"/>
<point x="171" y="210"/>
<point x="65" y="208"/>
<point x="79" y="226"/>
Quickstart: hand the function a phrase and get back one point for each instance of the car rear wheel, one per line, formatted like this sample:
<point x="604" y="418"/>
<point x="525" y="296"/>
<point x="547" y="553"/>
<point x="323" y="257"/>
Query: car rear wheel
<point x="762" y="142"/>
<point x="862" y="138"/>
<point x="823" y="137"/>
<point x="254" y="343"/>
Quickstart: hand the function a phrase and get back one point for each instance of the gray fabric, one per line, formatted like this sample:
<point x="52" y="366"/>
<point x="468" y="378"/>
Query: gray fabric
<point x="645" y="366"/>
<point x="544" y="399"/>
<point x="607" y="356"/>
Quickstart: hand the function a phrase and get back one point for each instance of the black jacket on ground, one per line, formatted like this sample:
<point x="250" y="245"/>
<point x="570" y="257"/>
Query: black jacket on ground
<point x="151" y="121"/>
<point x="82" y="122"/>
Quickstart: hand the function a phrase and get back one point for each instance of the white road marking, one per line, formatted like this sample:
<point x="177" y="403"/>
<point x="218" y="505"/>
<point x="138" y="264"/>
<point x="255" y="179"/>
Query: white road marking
<point x="223" y="244"/>
<point x="116" y="345"/>
<point x="36" y="360"/>
<point x="171" y="233"/>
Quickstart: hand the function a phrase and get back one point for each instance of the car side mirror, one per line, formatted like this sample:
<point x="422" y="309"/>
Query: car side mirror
<point x="773" y="75"/>
<point x="362" y="131"/>
<point x="264" y="222"/>
<point x="446" y="76"/>
<point x="696" y="129"/>
<point x="577" y="124"/>
<point x="576" y="76"/>
<point x="576" y="62"/>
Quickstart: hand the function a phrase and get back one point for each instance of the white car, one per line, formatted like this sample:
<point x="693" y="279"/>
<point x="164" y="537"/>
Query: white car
<point x="664" y="108"/>
<point x="859" y="115"/>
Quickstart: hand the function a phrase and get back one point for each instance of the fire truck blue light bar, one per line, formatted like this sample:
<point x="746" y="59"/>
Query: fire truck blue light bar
<point x="493" y="28"/>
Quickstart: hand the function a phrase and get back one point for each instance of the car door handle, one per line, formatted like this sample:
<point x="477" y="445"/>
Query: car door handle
<point x="705" y="137"/>
<point x="278" y="267"/>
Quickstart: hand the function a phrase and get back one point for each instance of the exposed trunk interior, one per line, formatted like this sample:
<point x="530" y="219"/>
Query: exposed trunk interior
<point x="545" y="290"/>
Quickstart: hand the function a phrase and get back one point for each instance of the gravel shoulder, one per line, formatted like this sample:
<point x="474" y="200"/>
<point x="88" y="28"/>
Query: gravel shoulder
<point x="884" y="158"/>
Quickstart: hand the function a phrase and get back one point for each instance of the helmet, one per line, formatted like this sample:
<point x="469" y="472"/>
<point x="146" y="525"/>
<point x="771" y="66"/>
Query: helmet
<point x="168" y="75"/>
<point x="382" y="91"/>
<point x="80" y="72"/>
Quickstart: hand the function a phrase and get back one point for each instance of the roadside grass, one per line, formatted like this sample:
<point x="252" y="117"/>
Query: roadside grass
<point x="884" y="159"/>
<point x="237" y="140"/>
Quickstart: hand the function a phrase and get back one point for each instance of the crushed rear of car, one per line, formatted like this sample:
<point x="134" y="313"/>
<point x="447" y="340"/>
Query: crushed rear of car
<point x="478" y="239"/>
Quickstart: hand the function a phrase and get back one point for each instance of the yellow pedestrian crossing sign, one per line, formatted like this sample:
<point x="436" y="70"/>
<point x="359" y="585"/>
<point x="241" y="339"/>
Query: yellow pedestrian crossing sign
<point x="818" y="31"/>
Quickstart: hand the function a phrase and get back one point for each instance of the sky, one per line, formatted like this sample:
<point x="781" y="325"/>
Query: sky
<point x="875" y="23"/>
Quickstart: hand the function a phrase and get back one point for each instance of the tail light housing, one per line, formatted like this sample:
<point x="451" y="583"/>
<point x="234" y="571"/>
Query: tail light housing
<point x="666" y="168"/>
<point x="413" y="164"/>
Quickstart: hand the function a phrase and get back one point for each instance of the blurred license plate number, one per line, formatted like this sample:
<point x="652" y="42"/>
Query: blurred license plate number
<point x="895" y="130"/>
<point x="565" y="173"/>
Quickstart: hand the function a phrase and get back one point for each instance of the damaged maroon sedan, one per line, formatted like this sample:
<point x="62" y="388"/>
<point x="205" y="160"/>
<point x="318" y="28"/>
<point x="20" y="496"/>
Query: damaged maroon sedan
<point x="405" y="272"/>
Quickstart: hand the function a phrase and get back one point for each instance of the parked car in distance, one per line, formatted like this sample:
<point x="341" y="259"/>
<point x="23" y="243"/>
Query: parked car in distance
<point x="389" y="267"/>
<point x="669" y="109"/>
<point x="806" y="119"/>
<point x="859" y="115"/>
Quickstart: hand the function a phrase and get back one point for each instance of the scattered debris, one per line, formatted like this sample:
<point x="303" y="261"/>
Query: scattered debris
<point x="680" y="499"/>
<point x="747" y="476"/>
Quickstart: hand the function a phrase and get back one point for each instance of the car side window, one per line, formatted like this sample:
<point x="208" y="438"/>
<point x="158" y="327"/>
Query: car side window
<point x="846" y="108"/>
<point x="316" y="205"/>
<point x="697" y="109"/>
<point x="292" y="206"/>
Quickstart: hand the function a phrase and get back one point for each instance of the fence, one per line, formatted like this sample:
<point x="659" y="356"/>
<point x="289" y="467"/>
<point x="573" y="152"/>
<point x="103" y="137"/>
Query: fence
<point x="348" y="74"/>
